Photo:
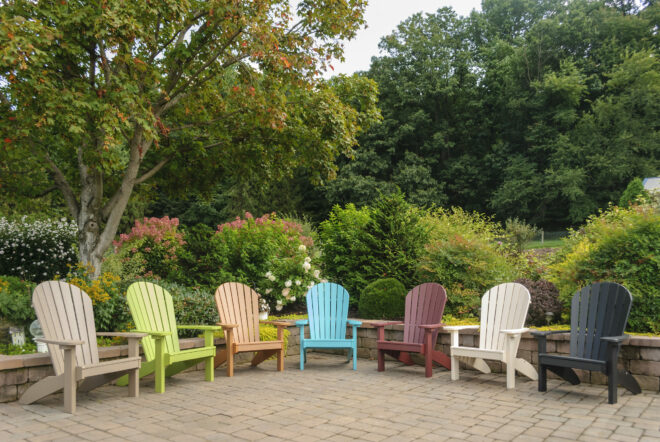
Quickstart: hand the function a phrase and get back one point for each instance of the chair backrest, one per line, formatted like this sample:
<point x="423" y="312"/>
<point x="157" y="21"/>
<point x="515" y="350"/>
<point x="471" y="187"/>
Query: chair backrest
<point x="504" y="307"/>
<point x="424" y="305"/>
<point x="65" y="312"/>
<point x="239" y="304"/>
<point x="327" y="309"/>
<point x="152" y="310"/>
<point x="598" y="310"/>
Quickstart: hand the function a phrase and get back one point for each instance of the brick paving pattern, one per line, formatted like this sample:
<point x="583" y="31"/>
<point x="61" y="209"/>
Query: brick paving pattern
<point x="329" y="401"/>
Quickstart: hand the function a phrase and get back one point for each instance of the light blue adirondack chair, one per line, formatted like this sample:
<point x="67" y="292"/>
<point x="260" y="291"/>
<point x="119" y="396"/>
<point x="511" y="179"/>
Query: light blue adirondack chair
<point x="327" y="309"/>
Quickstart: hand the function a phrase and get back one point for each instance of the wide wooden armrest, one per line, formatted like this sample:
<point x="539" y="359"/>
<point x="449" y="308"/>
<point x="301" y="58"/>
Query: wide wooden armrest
<point x="226" y="326"/>
<point x="431" y="326"/>
<point x="614" y="339"/>
<point x="199" y="327"/>
<point x="515" y="331"/>
<point x="459" y="328"/>
<point x="302" y="322"/>
<point x="275" y="323"/>
<point x="384" y="324"/>
<point x="153" y="333"/>
<point x="353" y="322"/>
<point x="539" y="333"/>
<point x="61" y="342"/>
<point x="122" y="334"/>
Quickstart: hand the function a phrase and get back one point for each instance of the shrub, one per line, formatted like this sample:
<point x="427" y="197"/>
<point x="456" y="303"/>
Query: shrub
<point x="383" y="299"/>
<point x="363" y="245"/>
<point x="150" y="249"/>
<point x="464" y="255"/>
<point x="16" y="301"/>
<point x="619" y="245"/>
<point x="634" y="193"/>
<point x="518" y="233"/>
<point x="269" y="254"/>
<point x="36" y="250"/>
<point x="544" y="298"/>
<point x="109" y="301"/>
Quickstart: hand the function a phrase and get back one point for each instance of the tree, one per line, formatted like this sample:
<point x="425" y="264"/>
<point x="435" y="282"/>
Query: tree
<point x="104" y="95"/>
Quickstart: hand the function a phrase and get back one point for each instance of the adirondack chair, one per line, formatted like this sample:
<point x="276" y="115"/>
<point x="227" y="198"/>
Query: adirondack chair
<point x="238" y="307"/>
<point x="67" y="319"/>
<point x="503" y="312"/>
<point x="153" y="313"/>
<point x="424" y="307"/>
<point x="327" y="310"/>
<point x="599" y="313"/>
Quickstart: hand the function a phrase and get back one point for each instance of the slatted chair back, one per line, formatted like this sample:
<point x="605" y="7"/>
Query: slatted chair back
<point x="425" y="304"/>
<point x="152" y="310"/>
<point x="65" y="313"/>
<point x="239" y="304"/>
<point x="598" y="310"/>
<point x="327" y="309"/>
<point x="504" y="307"/>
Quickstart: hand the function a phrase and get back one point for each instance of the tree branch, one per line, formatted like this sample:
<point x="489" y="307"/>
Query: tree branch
<point x="153" y="171"/>
<point x="63" y="185"/>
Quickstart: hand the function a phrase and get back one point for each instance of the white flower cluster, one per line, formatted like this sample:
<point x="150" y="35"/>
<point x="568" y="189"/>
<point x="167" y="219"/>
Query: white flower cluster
<point x="37" y="250"/>
<point x="285" y="290"/>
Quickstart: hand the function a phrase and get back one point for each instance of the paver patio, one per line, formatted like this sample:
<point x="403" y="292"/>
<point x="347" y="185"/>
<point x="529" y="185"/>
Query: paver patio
<point x="331" y="401"/>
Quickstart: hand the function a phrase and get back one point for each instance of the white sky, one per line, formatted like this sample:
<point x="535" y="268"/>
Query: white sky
<point x="382" y="18"/>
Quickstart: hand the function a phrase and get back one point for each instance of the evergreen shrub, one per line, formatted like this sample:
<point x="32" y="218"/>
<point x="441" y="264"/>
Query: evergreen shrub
<point x="383" y="299"/>
<point x="16" y="301"/>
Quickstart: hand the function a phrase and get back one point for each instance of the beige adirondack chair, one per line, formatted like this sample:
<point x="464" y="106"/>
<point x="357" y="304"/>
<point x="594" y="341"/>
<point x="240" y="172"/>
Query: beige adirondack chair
<point x="238" y="307"/>
<point x="503" y="313"/>
<point x="67" y="319"/>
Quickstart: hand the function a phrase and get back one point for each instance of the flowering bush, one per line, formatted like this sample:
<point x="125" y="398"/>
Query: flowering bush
<point x="150" y="249"/>
<point x="271" y="255"/>
<point x="110" y="308"/>
<point x="36" y="250"/>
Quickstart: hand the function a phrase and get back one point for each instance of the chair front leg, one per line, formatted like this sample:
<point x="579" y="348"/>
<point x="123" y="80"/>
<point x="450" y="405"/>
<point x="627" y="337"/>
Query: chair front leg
<point x="454" y="359"/>
<point x="159" y="367"/>
<point x="612" y="371"/>
<point x="69" y="378"/>
<point x="354" y="349"/>
<point x="280" y="353"/>
<point x="301" y="340"/>
<point x="134" y="376"/>
<point x="510" y="352"/>
<point x="208" y="362"/>
<point x="428" y="352"/>
<point x="229" y="344"/>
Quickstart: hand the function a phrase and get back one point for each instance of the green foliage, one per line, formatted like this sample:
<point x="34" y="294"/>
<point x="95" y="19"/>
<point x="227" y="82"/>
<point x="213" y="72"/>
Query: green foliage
<point x="16" y="301"/>
<point x="383" y="299"/>
<point x="619" y="245"/>
<point x="519" y="233"/>
<point x="634" y="193"/>
<point x="36" y="249"/>
<point x="11" y="349"/>
<point x="544" y="298"/>
<point x="384" y="240"/>
<point x="463" y="254"/>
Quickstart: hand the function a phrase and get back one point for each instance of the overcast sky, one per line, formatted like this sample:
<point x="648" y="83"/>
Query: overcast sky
<point x="382" y="18"/>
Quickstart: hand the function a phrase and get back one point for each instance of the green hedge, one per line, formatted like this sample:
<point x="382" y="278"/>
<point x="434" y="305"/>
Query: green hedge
<point x="383" y="299"/>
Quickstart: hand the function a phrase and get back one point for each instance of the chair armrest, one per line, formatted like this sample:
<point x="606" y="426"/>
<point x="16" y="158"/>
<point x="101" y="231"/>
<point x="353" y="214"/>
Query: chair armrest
<point x="123" y="334"/>
<point x="354" y="323"/>
<point x="615" y="339"/>
<point x="227" y="326"/>
<point x="61" y="342"/>
<point x="458" y="328"/>
<point x="384" y="324"/>
<point x="199" y="327"/>
<point x="539" y="333"/>
<point x="276" y="323"/>
<point x="430" y="327"/>
<point x="302" y="322"/>
<point x="154" y="334"/>
<point x="515" y="331"/>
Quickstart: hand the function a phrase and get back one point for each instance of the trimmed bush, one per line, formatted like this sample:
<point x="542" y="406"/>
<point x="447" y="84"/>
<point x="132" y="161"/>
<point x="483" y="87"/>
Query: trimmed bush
<point x="383" y="299"/>
<point x="16" y="301"/>
<point x="519" y="233"/>
<point x="544" y="298"/>
<point x="618" y="245"/>
<point x="37" y="250"/>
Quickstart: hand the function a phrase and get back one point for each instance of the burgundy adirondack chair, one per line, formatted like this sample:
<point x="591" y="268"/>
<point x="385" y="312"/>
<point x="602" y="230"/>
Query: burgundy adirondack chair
<point x="424" y="307"/>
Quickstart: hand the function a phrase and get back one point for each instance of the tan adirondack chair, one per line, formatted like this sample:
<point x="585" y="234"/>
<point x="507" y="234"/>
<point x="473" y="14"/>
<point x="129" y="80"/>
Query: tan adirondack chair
<point x="67" y="318"/>
<point x="238" y="307"/>
<point x="503" y="313"/>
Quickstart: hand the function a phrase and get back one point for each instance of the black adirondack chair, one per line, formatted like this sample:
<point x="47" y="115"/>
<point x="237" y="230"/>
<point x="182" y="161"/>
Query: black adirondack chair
<point x="599" y="313"/>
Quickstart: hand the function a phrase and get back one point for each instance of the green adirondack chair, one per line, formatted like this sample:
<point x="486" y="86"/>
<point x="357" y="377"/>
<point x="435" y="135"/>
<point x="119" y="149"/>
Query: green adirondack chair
<point x="153" y="313"/>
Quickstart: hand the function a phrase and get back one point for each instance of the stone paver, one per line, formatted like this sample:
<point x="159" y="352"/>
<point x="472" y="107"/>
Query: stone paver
<point x="330" y="401"/>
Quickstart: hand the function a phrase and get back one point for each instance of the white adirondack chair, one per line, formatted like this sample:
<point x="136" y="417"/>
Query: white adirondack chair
<point x="67" y="319"/>
<point x="503" y="312"/>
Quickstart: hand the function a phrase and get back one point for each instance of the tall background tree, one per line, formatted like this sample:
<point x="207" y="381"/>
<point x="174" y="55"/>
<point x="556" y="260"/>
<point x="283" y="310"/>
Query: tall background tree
<point x="99" y="97"/>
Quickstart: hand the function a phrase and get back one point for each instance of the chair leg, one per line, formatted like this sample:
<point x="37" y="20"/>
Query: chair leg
<point x="354" y="352"/>
<point x="280" y="359"/>
<point x="629" y="382"/>
<point x="159" y="368"/>
<point x="510" y="375"/>
<point x="209" y="369"/>
<point x="303" y="354"/>
<point x="230" y="363"/>
<point x="454" y="368"/>
<point x="69" y="379"/>
<point x="428" y="353"/>
<point x="349" y="352"/>
<point x="381" y="360"/>
<point x="612" y="382"/>
<point x="543" y="378"/>
<point x="134" y="383"/>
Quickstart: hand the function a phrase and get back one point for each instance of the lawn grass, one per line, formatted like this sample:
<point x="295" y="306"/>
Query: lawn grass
<point x="549" y="243"/>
